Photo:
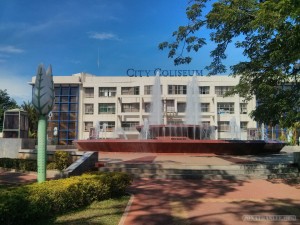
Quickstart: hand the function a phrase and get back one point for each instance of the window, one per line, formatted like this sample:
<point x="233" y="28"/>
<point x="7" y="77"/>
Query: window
<point x="177" y="89"/>
<point x="108" y="126"/>
<point x="147" y="106"/>
<point x="130" y="107"/>
<point x="170" y="106"/>
<point x="225" y="108"/>
<point x="65" y="91"/>
<point x="129" y="125"/>
<point x="88" y="109"/>
<point x="57" y="91"/>
<point x="64" y="107"/>
<point x="205" y="107"/>
<point x="148" y="89"/>
<point x="130" y="90"/>
<point x="244" y="126"/>
<point x="107" y="108"/>
<point x="89" y="92"/>
<point x="221" y="90"/>
<point x="88" y="125"/>
<point x="206" y="123"/>
<point x="65" y="115"/>
<point x="223" y="126"/>
<point x="181" y="107"/>
<point x="204" y="90"/>
<point x="243" y="108"/>
<point x="107" y="91"/>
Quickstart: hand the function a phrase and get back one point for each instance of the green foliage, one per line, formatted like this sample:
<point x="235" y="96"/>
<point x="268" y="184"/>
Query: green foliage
<point x="51" y="166"/>
<point x="268" y="32"/>
<point x="19" y="164"/>
<point x="108" y="212"/>
<point x="61" y="160"/>
<point x="41" y="200"/>
<point x="32" y="118"/>
<point x="6" y="102"/>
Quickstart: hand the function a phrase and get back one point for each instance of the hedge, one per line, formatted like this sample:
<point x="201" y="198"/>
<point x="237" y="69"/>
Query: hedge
<point x="61" y="161"/>
<point x="19" y="164"/>
<point x="41" y="200"/>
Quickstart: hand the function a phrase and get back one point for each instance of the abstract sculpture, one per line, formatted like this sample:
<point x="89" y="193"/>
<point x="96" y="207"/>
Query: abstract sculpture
<point x="43" y="99"/>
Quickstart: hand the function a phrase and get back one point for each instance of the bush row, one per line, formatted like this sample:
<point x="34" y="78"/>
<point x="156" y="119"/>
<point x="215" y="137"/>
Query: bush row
<point x="19" y="164"/>
<point x="61" y="161"/>
<point x="40" y="200"/>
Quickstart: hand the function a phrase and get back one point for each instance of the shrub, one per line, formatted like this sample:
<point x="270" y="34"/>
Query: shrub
<point x="19" y="164"/>
<point x="51" y="166"/>
<point x="61" y="160"/>
<point x="35" y="201"/>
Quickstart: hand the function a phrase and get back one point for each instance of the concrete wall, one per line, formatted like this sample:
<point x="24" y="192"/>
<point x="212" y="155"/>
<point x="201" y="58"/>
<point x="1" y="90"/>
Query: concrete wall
<point x="10" y="147"/>
<point x="85" y="163"/>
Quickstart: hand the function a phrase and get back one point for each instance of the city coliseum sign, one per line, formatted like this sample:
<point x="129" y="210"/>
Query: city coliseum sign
<point x="163" y="72"/>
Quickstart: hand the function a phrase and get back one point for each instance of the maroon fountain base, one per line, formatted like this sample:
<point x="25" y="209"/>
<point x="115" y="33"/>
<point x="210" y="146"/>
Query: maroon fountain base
<point x="178" y="145"/>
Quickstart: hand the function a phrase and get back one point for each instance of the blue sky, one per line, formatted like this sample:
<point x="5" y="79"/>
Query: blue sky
<point x="68" y="33"/>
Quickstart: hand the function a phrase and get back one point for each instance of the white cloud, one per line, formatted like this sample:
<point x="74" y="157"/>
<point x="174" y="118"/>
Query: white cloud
<point x="104" y="36"/>
<point x="16" y="85"/>
<point x="10" y="49"/>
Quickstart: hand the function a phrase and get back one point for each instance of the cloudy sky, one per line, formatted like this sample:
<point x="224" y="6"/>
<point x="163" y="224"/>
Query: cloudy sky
<point x="70" y="34"/>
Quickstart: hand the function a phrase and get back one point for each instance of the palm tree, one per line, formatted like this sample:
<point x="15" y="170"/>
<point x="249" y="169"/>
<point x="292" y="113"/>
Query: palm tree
<point x="32" y="118"/>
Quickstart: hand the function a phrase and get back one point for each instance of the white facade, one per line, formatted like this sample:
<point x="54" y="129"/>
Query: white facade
<point x="122" y="101"/>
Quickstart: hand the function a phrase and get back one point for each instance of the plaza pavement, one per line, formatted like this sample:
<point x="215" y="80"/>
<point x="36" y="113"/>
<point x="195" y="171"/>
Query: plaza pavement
<point x="205" y="201"/>
<point x="211" y="202"/>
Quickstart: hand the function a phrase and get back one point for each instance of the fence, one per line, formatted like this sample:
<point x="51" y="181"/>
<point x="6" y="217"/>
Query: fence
<point x="272" y="133"/>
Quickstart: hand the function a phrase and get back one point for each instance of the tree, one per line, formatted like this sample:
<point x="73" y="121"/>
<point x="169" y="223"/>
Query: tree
<point x="32" y="118"/>
<point x="6" y="103"/>
<point x="268" y="31"/>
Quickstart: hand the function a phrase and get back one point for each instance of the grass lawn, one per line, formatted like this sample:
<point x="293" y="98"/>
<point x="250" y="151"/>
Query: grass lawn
<point x="107" y="212"/>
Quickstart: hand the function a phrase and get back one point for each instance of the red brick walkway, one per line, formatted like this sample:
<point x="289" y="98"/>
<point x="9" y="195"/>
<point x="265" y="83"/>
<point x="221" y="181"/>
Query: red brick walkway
<point x="211" y="202"/>
<point x="11" y="177"/>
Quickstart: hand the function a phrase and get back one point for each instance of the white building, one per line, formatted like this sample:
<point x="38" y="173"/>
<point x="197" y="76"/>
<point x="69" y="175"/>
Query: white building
<point x="82" y="101"/>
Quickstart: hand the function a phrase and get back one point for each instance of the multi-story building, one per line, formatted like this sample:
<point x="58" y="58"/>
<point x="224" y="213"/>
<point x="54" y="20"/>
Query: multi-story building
<point x="83" y="101"/>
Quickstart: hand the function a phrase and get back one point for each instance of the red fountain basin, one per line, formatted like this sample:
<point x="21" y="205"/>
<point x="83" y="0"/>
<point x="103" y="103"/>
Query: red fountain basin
<point x="181" y="145"/>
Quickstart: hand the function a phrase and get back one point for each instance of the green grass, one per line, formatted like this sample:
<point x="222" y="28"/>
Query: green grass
<point x="107" y="212"/>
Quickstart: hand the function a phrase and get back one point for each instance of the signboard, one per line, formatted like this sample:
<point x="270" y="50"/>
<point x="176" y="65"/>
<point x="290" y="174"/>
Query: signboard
<point x="163" y="72"/>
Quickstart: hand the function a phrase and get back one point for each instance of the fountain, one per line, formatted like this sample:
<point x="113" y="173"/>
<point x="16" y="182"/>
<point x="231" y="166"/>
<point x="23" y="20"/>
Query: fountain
<point x="192" y="111"/>
<point x="234" y="129"/>
<point x="190" y="137"/>
<point x="155" y="117"/>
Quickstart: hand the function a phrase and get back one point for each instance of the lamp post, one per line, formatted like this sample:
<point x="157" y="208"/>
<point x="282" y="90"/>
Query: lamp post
<point x="42" y="100"/>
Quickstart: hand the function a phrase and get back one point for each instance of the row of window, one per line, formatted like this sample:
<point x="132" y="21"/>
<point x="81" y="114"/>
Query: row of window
<point x="110" y="108"/>
<point x="223" y="126"/>
<point x="63" y="122"/>
<point x="172" y="90"/>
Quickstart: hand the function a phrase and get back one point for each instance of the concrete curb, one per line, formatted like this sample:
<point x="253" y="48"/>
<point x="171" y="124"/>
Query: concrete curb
<point x="127" y="210"/>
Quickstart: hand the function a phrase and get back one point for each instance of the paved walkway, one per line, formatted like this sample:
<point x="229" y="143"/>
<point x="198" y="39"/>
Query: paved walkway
<point x="212" y="202"/>
<point x="11" y="177"/>
<point x="215" y="202"/>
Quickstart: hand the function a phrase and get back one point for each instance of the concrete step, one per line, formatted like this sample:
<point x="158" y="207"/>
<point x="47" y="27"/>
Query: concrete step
<point x="199" y="171"/>
<point x="195" y="166"/>
<point x="206" y="173"/>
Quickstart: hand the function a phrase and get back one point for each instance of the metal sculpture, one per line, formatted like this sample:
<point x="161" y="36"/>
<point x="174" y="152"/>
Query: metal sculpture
<point x="43" y="99"/>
